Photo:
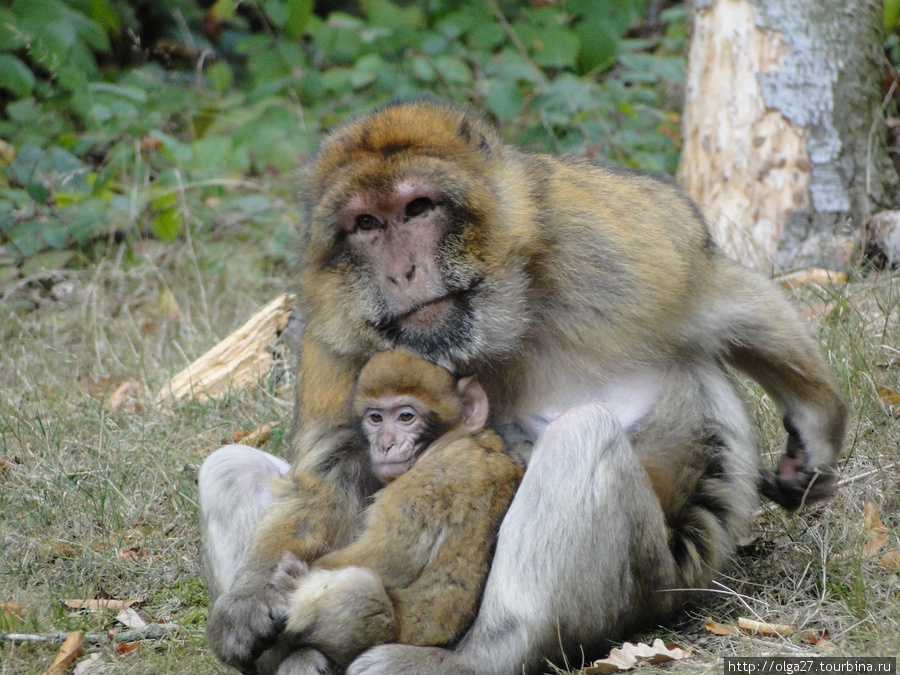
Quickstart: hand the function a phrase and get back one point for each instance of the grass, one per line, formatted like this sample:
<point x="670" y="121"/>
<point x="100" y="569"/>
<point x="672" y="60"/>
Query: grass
<point x="97" y="502"/>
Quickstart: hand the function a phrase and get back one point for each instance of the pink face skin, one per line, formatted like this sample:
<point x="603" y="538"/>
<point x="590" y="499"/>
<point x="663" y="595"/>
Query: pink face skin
<point x="398" y="233"/>
<point x="394" y="432"/>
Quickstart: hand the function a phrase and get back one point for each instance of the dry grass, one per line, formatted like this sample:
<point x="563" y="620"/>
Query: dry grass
<point x="99" y="501"/>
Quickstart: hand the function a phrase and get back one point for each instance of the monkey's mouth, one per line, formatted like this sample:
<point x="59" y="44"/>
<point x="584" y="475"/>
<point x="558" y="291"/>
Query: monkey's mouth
<point x="391" y="470"/>
<point x="436" y="327"/>
<point x="427" y="314"/>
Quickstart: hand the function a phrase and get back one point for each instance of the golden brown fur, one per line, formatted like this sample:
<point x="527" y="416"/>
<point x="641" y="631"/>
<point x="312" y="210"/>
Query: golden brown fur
<point x="428" y="537"/>
<point x="575" y="293"/>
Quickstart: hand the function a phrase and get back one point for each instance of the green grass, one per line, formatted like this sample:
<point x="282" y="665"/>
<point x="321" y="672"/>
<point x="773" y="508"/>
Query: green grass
<point x="82" y="483"/>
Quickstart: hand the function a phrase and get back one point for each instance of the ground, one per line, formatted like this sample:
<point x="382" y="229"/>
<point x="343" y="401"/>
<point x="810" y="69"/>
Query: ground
<point x="98" y="490"/>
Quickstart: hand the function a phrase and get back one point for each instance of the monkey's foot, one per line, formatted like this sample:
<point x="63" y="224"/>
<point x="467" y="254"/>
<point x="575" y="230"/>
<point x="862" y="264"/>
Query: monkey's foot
<point x="397" y="659"/>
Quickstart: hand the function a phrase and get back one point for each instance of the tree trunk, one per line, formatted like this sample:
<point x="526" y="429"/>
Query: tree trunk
<point x="784" y="136"/>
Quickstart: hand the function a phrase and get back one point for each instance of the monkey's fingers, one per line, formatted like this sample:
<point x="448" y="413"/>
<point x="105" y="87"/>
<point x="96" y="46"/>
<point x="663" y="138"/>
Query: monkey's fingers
<point x="793" y="490"/>
<point x="241" y="628"/>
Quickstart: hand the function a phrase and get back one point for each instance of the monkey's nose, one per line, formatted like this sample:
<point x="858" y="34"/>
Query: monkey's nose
<point x="407" y="276"/>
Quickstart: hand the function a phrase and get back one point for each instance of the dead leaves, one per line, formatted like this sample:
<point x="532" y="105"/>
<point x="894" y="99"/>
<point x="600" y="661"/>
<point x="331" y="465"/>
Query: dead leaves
<point x="256" y="437"/>
<point x="71" y="649"/>
<point x="117" y="393"/>
<point x="10" y="614"/>
<point x="889" y="400"/>
<point x="631" y="655"/>
<point x="879" y="544"/>
<point x="751" y="627"/>
<point x="812" y="275"/>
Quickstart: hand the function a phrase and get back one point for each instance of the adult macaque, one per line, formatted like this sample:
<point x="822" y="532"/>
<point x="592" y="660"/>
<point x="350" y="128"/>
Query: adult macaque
<point x="598" y="314"/>
<point x="416" y="573"/>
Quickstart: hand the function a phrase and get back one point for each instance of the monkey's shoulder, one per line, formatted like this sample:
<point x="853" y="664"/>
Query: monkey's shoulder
<point x="475" y="465"/>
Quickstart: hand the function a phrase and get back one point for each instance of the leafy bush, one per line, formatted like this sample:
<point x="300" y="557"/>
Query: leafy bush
<point x="97" y="149"/>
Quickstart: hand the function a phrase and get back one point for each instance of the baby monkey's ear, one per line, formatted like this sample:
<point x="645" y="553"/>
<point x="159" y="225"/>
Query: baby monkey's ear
<point x="475" y="404"/>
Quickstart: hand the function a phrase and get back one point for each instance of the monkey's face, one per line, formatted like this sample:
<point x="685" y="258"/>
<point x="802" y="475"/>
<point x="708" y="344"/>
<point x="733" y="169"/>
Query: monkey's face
<point x="396" y="432"/>
<point x="413" y="282"/>
<point x="406" y="235"/>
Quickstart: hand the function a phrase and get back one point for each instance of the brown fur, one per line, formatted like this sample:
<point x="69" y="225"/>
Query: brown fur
<point x="557" y="282"/>
<point x="428" y="536"/>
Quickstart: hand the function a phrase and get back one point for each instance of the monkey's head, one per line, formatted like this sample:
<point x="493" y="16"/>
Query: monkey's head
<point x="411" y="238"/>
<point x="406" y="403"/>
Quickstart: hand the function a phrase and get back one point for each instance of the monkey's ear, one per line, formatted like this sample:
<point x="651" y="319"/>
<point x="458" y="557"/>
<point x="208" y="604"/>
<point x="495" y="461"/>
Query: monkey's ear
<point x="475" y="404"/>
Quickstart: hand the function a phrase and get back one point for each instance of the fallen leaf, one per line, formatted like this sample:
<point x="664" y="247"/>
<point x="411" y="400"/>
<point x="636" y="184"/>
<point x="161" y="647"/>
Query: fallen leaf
<point x="889" y="400"/>
<point x="816" y="636"/>
<point x="721" y="629"/>
<point x="878" y="538"/>
<point x="127" y="647"/>
<point x="119" y="396"/>
<point x="132" y="554"/>
<point x="150" y="143"/>
<point x="129" y="617"/>
<point x="2" y="466"/>
<point x="10" y="613"/>
<point x="256" y="437"/>
<point x="752" y="627"/>
<point x="168" y="306"/>
<point x="59" y="549"/>
<point x="631" y="655"/>
<point x="71" y="649"/>
<point x="93" y="663"/>
<point x="99" y="604"/>
<point x="115" y="391"/>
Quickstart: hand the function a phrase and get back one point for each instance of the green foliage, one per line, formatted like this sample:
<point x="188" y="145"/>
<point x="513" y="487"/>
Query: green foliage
<point x="891" y="16"/>
<point x="243" y="90"/>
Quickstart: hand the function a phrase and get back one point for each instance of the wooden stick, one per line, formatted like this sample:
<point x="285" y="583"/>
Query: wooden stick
<point x="238" y="360"/>
<point x="154" y="631"/>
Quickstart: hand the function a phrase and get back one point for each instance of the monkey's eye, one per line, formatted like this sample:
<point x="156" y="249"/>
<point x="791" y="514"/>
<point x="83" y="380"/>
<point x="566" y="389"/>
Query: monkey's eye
<point x="406" y="415"/>
<point x="367" y="223"/>
<point x="417" y="207"/>
<point x="375" y="417"/>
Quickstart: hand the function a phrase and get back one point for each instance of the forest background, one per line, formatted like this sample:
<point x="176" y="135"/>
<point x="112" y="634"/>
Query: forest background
<point x="148" y="159"/>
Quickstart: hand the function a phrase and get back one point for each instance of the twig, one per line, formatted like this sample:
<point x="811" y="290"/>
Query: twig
<point x="154" y="631"/>
<point x="853" y="479"/>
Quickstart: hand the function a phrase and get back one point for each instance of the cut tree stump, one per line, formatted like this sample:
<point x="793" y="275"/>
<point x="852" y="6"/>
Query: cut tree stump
<point x="237" y="361"/>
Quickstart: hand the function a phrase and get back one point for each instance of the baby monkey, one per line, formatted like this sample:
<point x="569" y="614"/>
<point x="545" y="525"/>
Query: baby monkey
<point x="416" y="573"/>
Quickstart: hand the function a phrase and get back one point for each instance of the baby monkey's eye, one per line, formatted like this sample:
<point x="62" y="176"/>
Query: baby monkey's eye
<point x="406" y="416"/>
<point x="375" y="417"/>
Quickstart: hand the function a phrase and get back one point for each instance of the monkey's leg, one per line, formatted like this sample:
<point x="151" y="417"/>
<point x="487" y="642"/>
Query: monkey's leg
<point x="581" y="556"/>
<point x="234" y="490"/>
<point x="234" y="493"/>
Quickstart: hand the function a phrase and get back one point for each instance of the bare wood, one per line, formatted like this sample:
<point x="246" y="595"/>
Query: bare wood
<point x="154" y="631"/>
<point x="783" y="129"/>
<point x="238" y="360"/>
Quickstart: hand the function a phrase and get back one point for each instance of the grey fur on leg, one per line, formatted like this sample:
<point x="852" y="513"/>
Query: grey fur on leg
<point x="234" y="487"/>
<point x="582" y="527"/>
<point x="297" y="662"/>
<point x="234" y="492"/>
